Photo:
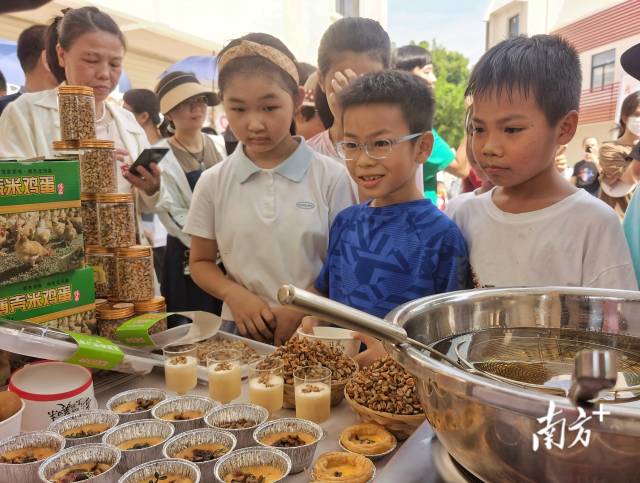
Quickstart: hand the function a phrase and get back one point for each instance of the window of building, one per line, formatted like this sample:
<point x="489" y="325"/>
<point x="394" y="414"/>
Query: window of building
<point x="602" y="68"/>
<point x="348" y="8"/>
<point x="514" y="26"/>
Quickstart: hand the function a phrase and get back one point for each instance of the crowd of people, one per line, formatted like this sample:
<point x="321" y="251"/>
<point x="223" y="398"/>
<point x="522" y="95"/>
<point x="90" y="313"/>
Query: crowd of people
<point x="327" y="178"/>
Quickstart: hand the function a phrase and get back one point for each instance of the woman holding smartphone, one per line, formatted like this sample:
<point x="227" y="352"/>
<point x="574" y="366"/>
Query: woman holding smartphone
<point x="84" y="47"/>
<point x="183" y="102"/>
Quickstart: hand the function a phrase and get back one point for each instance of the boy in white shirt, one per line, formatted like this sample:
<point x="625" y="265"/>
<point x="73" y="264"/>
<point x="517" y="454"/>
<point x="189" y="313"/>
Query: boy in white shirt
<point x="534" y="228"/>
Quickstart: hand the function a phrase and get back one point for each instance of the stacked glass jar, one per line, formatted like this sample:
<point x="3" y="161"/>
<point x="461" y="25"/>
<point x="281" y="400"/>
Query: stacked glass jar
<point x="123" y="270"/>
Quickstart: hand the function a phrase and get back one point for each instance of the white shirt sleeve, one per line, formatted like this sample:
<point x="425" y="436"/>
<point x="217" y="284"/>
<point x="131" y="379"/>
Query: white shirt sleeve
<point x="341" y="194"/>
<point x="607" y="257"/>
<point x="201" y="217"/>
<point x="16" y="134"/>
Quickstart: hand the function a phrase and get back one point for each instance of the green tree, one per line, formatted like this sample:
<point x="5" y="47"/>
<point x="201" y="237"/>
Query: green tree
<point x="452" y="70"/>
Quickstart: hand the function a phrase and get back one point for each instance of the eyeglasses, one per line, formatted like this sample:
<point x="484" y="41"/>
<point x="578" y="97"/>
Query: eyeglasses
<point x="192" y="102"/>
<point x="378" y="149"/>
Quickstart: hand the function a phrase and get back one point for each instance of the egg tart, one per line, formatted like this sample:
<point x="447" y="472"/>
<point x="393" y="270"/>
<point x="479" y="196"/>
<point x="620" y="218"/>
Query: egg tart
<point x="367" y="439"/>
<point x="254" y="474"/>
<point x="26" y="455"/>
<point x="79" y="472"/>
<point x="340" y="467"/>
<point x="288" y="439"/>
<point x="183" y="415"/>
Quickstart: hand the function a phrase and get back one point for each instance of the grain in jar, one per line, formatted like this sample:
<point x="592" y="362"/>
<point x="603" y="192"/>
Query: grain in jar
<point x="156" y="305"/>
<point x="76" y="105"/>
<point x="134" y="268"/>
<point x="116" y="220"/>
<point x="111" y="317"/>
<point x="103" y="262"/>
<point x="89" y="213"/>
<point x="98" y="167"/>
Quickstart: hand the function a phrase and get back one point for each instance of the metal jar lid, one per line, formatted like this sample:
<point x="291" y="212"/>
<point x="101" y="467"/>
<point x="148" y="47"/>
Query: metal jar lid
<point x="65" y="145"/>
<point x="97" y="143"/>
<point x="100" y="302"/>
<point x="115" y="198"/>
<point x="115" y="311"/>
<point x="88" y="197"/>
<point x="96" y="250"/>
<point x="136" y="251"/>
<point x="152" y="305"/>
<point x="75" y="90"/>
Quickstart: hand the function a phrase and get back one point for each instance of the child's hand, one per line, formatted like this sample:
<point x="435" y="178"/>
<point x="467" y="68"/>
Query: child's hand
<point x="308" y="323"/>
<point x="251" y="314"/>
<point x="375" y="349"/>
<point x="287" y="321"/>
<point x="339" y="82"/>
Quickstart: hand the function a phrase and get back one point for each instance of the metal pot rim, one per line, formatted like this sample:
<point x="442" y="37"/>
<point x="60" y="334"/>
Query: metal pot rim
<point x="484" y="390"/>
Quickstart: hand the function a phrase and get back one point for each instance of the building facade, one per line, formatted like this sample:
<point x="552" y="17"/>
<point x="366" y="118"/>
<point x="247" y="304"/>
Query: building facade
<point x="161" y="32"/>
<point x="601" y="30"/>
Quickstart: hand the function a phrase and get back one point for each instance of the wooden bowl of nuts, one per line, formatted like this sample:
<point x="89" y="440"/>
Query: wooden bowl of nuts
<point x="386" y="394"/>
<point x="304" y="352"/>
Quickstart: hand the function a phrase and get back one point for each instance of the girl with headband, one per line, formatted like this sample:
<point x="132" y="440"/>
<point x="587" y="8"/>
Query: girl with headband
<point x="268" y="207"/>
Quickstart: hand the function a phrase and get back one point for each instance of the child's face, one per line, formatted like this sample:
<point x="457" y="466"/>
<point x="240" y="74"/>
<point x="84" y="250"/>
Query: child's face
<point x="427" y="74"/>
<point x="306" y="126"/>
<point x="260" y="112"/>
<point x="512" y="140"/>
<point x="390" y="180"/>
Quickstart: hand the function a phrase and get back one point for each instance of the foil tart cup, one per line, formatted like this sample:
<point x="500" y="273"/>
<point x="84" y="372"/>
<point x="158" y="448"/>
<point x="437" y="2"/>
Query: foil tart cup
<point x="75" y="420"/>
<point x="233" y="412"/>
<point x="77" y="455"/>
<point x="181" y="404"/>
<point x="196" y="437"/>
<point x="147" y="471"/>
<point x="301" y="456"/>
<point x="144" y="428"/>
<point x="132" y="395"/>
<point x="253" y="456"/>
<point x="35" y="439"/>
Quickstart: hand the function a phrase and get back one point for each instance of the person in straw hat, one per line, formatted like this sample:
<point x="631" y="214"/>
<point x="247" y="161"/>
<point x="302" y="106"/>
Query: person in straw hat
<point x="184" y="102"/>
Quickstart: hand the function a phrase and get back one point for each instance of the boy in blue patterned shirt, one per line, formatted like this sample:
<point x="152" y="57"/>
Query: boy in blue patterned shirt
<point x="397" y="246"/>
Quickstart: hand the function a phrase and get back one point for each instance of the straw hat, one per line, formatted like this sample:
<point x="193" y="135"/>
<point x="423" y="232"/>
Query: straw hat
<point x="177" y="87"/>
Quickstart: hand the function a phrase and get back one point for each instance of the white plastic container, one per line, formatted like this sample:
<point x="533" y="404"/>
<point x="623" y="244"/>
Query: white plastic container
<point x="51" y="390"/>
<point x="334" y="336"/>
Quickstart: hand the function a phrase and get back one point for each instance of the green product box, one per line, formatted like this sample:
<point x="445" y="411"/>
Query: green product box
<point x="64" y="301"/>
<point x="41" y="230"/>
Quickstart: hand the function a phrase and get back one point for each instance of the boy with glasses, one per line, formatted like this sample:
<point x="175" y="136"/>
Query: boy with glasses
<point x="397" y="246"/>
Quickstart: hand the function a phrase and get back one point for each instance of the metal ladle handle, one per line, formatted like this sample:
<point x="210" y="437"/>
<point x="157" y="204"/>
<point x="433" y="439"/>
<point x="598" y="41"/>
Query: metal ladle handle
<point x="340" y="314"/>
<point x="350" y="318"/>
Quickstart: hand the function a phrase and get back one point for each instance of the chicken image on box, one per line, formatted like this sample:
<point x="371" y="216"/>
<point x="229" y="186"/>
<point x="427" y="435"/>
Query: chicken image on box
<point x="64" y="301"/>
<point x="40" y="221"/>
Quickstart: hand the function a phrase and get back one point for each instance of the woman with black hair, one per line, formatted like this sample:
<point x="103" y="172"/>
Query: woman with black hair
<point x="84" y="47"/>
<point x="615" y="157"/>
<point x="183" y="102"/>
<point x="144" y="105"/>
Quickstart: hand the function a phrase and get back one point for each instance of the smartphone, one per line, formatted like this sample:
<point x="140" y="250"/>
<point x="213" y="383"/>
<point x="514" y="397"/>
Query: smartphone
<point x="148" y="156"/>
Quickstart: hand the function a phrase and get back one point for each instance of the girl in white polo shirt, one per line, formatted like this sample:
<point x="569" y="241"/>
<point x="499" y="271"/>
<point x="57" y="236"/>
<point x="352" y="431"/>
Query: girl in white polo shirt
<point x="268" y="207"/>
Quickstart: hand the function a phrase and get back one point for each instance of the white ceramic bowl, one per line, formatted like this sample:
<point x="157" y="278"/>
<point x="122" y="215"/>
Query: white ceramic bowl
<point x="11" y="426"/>
<point x="51" y="390"/>
<point x="335" y="337"/>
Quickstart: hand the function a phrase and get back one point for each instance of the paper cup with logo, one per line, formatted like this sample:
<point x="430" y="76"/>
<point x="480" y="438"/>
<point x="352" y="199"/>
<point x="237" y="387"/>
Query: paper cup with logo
<point x="51" y="390"/>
